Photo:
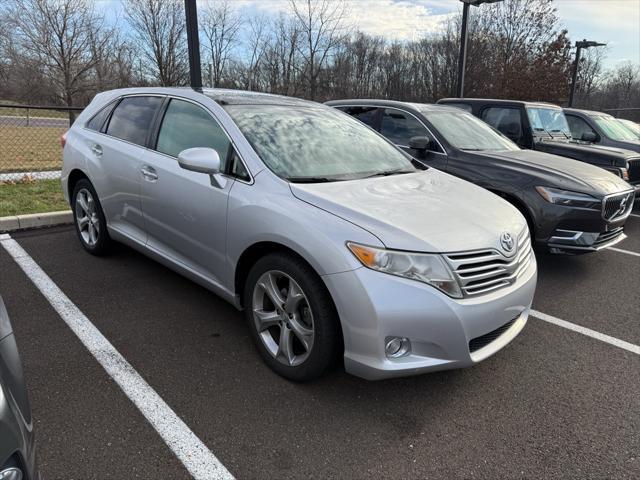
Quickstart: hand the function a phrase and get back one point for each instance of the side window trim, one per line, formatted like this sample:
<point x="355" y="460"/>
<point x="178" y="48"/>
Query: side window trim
<point x="157" y="123"/>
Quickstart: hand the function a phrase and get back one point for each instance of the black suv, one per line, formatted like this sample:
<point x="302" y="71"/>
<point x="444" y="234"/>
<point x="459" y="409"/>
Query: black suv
<point x="544" y="127"/>
<point x="571" y="207"/>
<point x="602" y="129"/>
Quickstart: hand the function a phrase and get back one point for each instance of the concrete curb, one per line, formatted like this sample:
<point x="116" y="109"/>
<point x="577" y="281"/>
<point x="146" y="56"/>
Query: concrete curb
<point x="35" y="220"/>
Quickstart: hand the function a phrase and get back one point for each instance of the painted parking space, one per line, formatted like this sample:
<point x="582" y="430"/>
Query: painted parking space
<point x="549" y="392"/>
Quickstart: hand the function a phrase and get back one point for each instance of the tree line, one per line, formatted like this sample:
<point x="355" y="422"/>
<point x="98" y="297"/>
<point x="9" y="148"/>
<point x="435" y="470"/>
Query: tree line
<point x="64" y="51"/>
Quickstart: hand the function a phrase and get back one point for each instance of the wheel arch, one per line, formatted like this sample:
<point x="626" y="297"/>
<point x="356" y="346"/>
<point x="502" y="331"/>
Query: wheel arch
<point x="74" y="176"/>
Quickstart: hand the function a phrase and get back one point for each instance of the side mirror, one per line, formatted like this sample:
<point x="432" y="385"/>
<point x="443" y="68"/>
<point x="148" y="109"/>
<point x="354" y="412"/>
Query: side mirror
<point x="420" y="143"/>
<point x="202" y="160"/>
<point x="590" y="137"/>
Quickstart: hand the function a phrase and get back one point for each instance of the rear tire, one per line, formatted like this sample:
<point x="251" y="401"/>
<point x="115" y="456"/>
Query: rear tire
<point x="89" y="219"/>
<point x="291" y="317"/>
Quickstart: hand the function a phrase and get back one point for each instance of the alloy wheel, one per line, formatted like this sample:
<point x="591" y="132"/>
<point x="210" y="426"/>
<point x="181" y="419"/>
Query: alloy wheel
<point x="283" y="318"/>
<point x="87" y="217"/>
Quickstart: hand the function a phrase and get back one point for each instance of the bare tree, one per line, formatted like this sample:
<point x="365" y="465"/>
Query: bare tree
<point x="159" y="27"/>
<point x="257" y="46"/>
<point x="321" y="24"/>
<point x="220" y="25"/>
<point x="56" y="35"/>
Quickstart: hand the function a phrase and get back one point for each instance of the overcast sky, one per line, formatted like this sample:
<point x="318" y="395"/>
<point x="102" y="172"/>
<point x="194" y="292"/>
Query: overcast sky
<point x="615" y="22"/>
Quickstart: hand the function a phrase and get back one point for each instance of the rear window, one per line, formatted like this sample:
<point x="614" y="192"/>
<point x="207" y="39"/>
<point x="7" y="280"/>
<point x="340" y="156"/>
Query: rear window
<point x="131" y="120"/>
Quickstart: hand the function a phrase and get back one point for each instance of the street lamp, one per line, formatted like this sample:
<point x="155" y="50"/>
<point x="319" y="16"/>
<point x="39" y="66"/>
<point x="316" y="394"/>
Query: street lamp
<point x="193" y="43"/>
<point x="579" y="46"/>
<point x="462" y="59"/>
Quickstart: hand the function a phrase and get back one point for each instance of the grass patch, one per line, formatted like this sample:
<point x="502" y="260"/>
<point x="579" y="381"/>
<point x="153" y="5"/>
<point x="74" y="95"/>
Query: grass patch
<point x="26" y="149"/>
<point x="38" y="196"/>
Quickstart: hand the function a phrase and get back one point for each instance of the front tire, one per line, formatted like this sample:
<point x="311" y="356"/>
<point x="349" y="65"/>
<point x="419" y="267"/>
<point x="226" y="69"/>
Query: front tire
<point x="291" y="317"/>
<point x="89" y="219"/>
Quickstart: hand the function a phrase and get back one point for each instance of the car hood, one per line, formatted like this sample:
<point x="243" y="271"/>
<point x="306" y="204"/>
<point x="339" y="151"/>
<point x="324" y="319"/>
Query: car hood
<point x="559" y="172"/>
<point x="596" y="154"/>
<point x="429" y="211"/>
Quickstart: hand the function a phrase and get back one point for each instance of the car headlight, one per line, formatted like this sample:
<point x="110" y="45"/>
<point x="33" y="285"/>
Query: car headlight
<point x="423" y="267"/>
<point x="568" y="198"/>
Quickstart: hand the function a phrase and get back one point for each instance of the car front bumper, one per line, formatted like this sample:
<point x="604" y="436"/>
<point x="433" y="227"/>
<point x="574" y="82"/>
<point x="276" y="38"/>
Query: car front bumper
<point x="375" y="306"/>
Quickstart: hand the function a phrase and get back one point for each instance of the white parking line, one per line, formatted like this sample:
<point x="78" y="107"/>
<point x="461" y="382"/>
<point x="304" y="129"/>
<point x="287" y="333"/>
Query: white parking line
<point x="616" y="342"/>
<point x="194" y="455"/>
<point x="635" y="215"/>
<point x="628" y="252"/>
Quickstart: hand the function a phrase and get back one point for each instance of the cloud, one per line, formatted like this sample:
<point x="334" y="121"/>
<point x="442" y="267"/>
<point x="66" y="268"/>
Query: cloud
<point x="393" y="19"/>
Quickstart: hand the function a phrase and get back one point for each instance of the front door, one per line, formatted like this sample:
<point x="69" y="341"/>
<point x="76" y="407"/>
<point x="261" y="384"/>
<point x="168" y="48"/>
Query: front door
<point x="185" y="215"/>
<point x="399" y="126"/>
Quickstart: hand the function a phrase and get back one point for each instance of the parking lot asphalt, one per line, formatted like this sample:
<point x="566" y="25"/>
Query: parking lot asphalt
<point x="553" y="404"/>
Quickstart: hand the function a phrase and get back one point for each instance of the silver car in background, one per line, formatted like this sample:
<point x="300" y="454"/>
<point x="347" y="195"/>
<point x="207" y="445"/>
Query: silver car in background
<point x="330" y="239"/>
<point x="17" y="444"/>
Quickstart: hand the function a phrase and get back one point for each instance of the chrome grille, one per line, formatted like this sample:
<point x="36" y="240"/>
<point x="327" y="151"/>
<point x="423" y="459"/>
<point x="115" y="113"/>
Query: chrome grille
<point x="617" y="206"/>
<point x="482" y="271"/>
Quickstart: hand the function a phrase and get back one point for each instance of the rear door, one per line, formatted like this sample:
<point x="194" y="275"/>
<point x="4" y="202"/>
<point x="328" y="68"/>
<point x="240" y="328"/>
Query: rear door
<point x="185" y="215"/>
<point x="117" y="151"/>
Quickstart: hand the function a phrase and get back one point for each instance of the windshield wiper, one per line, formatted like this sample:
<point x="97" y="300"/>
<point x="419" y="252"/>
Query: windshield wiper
<point x="543" y="130"/>
<point x="562" y="132"/>
<point x="386" y="173"/>
<point x="311" y="179"/>
<point x="472" y="149"/>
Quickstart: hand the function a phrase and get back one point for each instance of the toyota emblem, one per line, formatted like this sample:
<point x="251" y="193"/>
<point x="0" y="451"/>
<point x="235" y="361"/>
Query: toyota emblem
<point x="506" y="240"/>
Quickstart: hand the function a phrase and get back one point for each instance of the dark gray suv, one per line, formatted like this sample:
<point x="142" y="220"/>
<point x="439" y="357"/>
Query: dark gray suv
<point x="571" y="207"/>
<point x="17" y="446"/>
<point x="601" y="129"/>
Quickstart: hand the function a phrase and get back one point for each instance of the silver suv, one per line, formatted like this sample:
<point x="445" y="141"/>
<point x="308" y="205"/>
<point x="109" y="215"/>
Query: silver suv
<point x="330" y="239"/>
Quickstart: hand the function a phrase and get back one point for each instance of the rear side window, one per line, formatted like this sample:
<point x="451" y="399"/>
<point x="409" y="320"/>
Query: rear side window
<point x="186" y="125"/>
<point x="399" y="127"/>
<point x="367" y="115"/>
<point x="132" y="118"/>
<point x="506" y="120"/>
<point x="99" y="118"/>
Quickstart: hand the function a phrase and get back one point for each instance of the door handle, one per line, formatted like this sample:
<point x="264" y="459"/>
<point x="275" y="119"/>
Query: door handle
<point x="97" y="150"/>
<point x="149" y="173"/>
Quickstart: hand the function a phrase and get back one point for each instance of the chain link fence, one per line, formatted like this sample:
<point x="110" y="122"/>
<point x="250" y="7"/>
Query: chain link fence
<point x="30" y="141"/>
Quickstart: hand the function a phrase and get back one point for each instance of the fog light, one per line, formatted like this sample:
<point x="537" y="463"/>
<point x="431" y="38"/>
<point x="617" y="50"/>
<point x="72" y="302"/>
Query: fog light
<point x="397" y="347"/>
<point x="11" y="474"/>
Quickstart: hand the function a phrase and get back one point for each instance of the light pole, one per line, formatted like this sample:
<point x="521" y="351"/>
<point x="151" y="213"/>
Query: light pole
<point x="193" y="43"/>
<point x="462" y="58"/>
<point x="579" y="46"/>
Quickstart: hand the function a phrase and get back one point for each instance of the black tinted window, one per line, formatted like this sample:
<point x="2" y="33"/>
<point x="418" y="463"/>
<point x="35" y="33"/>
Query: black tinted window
<point x="366" y="115"/>
<point x="399" y="127"/>
<point x="99" y="118"/>
<point x="132" y="118"/>
<point x="506" y="120"/>
<point x="579" y="127"/>
<point x="186" y="125"/>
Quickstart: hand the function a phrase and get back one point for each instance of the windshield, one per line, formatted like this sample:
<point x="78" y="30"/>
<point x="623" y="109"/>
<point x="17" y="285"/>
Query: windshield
<point x="466" y="132"/>
<point x="633" y="126"/>
<point x="548" y="120"/>
<point x="613" y="128"/>
<point x="301" y="143"/>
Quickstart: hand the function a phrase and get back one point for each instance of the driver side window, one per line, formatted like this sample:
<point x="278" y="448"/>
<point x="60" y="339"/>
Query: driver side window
<point x="506" y="120"/>
<point x="579" y="127"/>
<point x="186" y="125"/>
<point x="399" y="127"/>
